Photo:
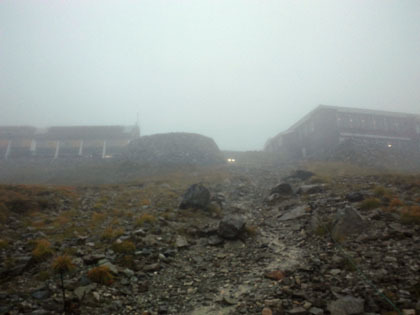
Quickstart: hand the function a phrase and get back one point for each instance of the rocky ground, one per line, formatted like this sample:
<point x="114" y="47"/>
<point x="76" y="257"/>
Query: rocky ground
<point x="244" y="241"/>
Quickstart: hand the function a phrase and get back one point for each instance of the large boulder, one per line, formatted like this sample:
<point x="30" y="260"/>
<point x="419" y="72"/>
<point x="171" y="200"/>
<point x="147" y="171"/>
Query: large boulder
<point x="176" y="148"/>
<point x="231" y="227"/>
<point x="197" y="196"/>
<point x="300" y="174"/>
<point x="348" y="221"/>
<point x="282" y="189"/>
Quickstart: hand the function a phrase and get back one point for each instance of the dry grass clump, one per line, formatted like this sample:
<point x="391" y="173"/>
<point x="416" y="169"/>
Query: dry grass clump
<point x="43" y="275"/>
<point x="411" y="214"/>
<point x="395" y="204"/>
<point x="320" y="179"/>
<point x="62" y="264"/>
<point x="333" y="169"/>
<point x="127" y="261"/>
<point x="145" y="218"/>
<point x="23" y="198"/>
<point x="101" y="275"/>
<point x="371" y="203"/>
<point x="98" y="217"/>
<point x="110" y="233"/>
<point x="145" y="202"/>
<point x="251" y="230"/>
<point x="382" y="192"/>
<point x="42" y="250"/>
<point x="124" y="247"/>
<point x="4" y="213"/>
<point x="3" y="244"/>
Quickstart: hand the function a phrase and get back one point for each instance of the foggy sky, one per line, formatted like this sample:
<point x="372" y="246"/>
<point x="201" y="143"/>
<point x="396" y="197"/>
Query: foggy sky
<point x="239" y="71"/>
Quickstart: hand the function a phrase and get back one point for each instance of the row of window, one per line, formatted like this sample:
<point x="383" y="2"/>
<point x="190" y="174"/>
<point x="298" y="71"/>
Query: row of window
<point x="374" y="122"/>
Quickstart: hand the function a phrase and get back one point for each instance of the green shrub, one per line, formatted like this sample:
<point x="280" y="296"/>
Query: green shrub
<point x="371" y="203"/>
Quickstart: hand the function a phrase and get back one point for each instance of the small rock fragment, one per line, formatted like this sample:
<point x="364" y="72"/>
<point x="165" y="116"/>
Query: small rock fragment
<point x="275" y="275"/>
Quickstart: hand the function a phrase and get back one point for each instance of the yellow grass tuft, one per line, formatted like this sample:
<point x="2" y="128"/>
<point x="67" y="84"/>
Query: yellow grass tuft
<point x="111" y="233"/>
<point x="125" y="247"/>
<point x="42" y="250"/>
<point x="145" y="218"/>
<point x="62" y="264"/>
<point x="101" y="274"/>
<point x="3" y="244"/>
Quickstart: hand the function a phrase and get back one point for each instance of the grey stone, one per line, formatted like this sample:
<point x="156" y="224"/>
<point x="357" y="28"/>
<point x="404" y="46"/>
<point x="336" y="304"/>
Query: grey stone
<point x="197" y="196"/>
<point x="311" y="189"/>
<point x="301" y="174"/>
<point x="41" y="294"/>
<point x="298" y="311"/>
<point x="231" y="227"/>
<point x="111" y="267"/>
<point x="128" y="272"/>
<point x="354" y="197"/>
<point x="316" y="311"/>
<point x="348" y="221"/>
<point x="282" y="189"/>
<point x="347" y="305"/>
<point x="335" y="272"/>
<point x="181" y="242"/>
<point x="80" y="292"/>
<point x="214" y="240"/>
<point x="295" y="213"/>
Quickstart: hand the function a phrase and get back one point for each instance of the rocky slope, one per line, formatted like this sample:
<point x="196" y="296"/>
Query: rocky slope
<point x="261" y="243"/>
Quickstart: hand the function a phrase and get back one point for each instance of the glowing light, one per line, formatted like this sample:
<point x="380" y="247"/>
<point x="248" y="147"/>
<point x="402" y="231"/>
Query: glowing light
<point x="389" y="145"/>
<point x="230" y="160"/>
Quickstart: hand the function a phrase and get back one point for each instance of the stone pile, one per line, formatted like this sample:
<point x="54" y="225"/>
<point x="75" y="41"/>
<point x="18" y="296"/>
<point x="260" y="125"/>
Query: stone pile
<point x="174" y="149"/>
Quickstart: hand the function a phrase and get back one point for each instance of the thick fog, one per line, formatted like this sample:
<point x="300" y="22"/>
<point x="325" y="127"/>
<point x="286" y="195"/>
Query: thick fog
<point x="237" y="71"/>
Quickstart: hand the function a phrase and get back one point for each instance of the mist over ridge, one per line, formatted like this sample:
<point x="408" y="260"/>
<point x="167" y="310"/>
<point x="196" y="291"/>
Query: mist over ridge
<point x="236" y="71"/>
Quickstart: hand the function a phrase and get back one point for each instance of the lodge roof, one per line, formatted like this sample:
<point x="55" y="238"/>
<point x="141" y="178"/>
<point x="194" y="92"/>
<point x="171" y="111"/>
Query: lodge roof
<point x="347" y="110"/>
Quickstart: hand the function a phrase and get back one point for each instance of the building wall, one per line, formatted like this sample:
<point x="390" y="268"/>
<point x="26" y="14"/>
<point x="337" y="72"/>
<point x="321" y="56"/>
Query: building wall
<point x="326" y="127"/>
<point x="65" y="142"/>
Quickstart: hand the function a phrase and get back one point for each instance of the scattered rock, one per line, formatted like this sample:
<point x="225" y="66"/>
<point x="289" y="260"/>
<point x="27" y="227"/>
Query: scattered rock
<point x="301" y="174"/>
<point x="152" y="267"/>
<point x="282" y="189"/>
<point x="311" y="189"/>
<point x="297" y="311"/>
<point x="231" y="227"/>
<point x="181" y="242"/>
<point x="295" y="213"/>
<point x="197" y="197"/>
<point x="266" y="311"/>
<point x="112" y="267"/>
<point x="41" y="294"/>
<point x="347" y="305"/>
<point x="316" y="311"/>
<point x="275" y="275"/>
<point x="81" y="292"/>
<point x="215" y="240"/>
<point x="355" y="197"/>
<point x="348" y="221"/>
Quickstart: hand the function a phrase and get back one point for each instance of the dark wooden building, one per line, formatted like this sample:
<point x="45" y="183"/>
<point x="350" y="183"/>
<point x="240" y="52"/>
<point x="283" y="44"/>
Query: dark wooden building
<point x="65" y="142"/>
<point x="326" y="127"/>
